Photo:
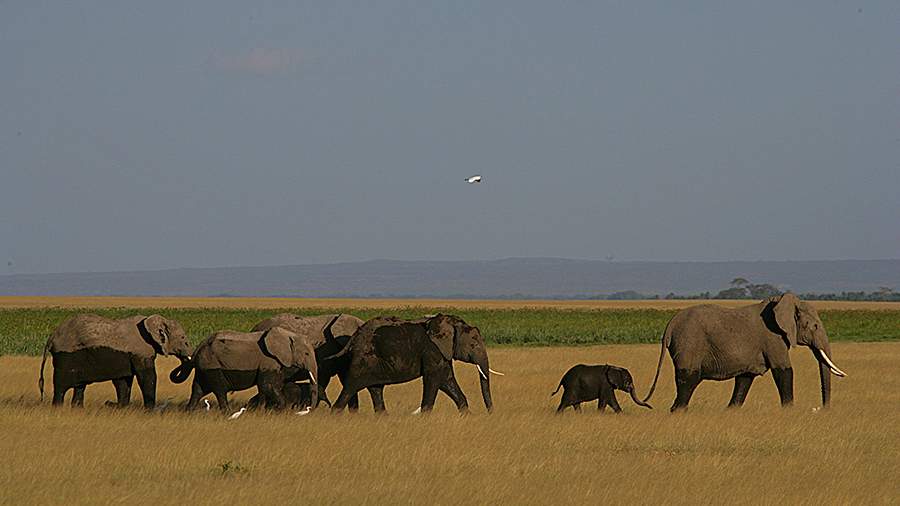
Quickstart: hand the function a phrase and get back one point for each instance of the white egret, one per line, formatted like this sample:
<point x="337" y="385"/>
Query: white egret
<point x="206" y="401"/>
<point x="237" y="414"/>
<point x="473" y="179"/>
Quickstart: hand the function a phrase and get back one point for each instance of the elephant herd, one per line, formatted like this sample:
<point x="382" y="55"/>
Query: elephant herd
<point x="291" y="359"/>
<point x="279" y="356"/>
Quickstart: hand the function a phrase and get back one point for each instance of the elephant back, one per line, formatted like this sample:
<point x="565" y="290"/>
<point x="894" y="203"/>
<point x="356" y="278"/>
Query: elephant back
<point x="310" y="327"/>
<point x="234" y="351"/>
<point x="88" y="331"/>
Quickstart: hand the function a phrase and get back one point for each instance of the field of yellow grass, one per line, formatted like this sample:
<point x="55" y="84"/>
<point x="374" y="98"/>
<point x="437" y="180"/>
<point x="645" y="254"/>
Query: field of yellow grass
<point x="523" y="453"/>
<point x="18" y="302"/>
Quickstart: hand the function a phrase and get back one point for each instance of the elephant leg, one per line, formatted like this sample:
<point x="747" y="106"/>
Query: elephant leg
<point x="614" y="403"/>
<point x="348" y="391"/>
<point x="353" y="404"/>
<point x="377" y="394"/>
<point x="123" y="391"/>
<point x="59" y="390"/>
<point x="685" y="383"/>
<point x="59" y="396"/>
<point x="273" y="395"/>
<point x="567" y="400"/>
<point x="222" y="400"/>
<point x="451" y="388"/>
<point x="784" y="381"/>
<point x="255" y="401"/>
<point x="577" y="406"/>
<point x="601" y="404"/>
<point x="78" y="396"/>
<point x="147" y="381"/>
<point x="322" y="385"/>
<point x="741" y="387"/>
<point x="430" y="386"/>
<point x="197" y="393"/>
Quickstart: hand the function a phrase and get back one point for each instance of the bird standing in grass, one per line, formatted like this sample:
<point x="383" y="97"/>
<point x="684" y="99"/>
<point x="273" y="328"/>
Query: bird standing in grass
<point x="473" y="179"/>
<point x="206" y="401"/>
<point x="237" y="414"/>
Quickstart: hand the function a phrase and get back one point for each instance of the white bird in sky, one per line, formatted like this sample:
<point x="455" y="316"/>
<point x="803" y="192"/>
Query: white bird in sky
<point x="206" y="401"/>
<point x="237" y="414"/>
<point x="473" y="179"/>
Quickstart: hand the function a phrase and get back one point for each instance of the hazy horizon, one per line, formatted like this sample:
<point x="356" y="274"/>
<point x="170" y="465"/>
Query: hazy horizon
<point x="219" y="134"/>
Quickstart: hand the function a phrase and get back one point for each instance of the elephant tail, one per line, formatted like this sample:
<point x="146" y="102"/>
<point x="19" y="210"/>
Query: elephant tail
<point x="664" y="343"/>
<point x="326" y="330"/>
<point x="181" y="373"/>
<point x="44" y="361"/>
<point x="557" y="388"/>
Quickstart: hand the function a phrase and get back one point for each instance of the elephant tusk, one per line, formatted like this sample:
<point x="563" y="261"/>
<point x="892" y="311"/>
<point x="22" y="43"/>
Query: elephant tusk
<point x="834" y="368"/>
<point x="311" y="378"/>
<point x="495" y="372"/>
<point x="483" y="375"/>
<point x="302" y="382"/>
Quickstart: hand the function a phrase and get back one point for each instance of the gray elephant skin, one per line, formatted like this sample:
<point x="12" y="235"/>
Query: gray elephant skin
<point x="329" y="334"/>
<point x="584" y="383"/>
<point x="390" y="350"/>
<point x="716" y="343"/>
<point x="230" y="361"/>
<point x="88" y="348"/>
<point x="312" y="328"/>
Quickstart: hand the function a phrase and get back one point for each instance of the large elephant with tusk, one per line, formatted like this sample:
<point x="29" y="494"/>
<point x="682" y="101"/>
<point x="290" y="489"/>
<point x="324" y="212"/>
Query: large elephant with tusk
<point x="712" y="342"/>
<point x="391" y="350"/>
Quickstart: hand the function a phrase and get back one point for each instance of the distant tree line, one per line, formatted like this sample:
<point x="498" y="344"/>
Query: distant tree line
<point x="741" y="288"/>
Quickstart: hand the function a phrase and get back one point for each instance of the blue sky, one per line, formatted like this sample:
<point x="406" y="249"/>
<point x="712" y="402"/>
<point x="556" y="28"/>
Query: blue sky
<point x="220" y="133"/>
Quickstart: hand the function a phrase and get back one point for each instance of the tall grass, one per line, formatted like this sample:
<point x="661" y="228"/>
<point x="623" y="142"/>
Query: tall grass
<point x="521" y="454"/>
<point x="24" y="331"/>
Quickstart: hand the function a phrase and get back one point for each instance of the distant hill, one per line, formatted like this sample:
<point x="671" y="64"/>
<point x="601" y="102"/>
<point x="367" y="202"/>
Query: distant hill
<point x="508" y="278"/>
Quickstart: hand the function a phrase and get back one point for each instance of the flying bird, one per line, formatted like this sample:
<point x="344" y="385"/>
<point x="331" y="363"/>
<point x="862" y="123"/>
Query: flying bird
<point x="206" y="401"/>
<point x="237" y="414"/>
<point x="473" y="179"/>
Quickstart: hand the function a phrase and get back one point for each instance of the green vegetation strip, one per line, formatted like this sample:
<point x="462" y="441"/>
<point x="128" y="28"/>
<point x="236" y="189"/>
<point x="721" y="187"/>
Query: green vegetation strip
<point x="24" y="331"/>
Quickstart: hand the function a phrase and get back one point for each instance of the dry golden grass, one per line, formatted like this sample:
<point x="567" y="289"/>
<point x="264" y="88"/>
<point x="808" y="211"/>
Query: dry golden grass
<point x="523" y="453"/>
<point x="17" y="302"/>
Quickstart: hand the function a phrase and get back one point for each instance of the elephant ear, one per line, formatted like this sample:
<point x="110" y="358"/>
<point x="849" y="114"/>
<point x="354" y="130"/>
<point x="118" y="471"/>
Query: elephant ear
<point x="786" y="316"/>
<point x="441" y="333"/>
<point x="158" y="331"/>
<point x="279" y="344"/>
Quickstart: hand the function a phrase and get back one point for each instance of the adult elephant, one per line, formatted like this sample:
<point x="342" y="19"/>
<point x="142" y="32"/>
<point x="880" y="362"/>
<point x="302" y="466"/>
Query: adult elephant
<point x="712" y="342"/>
<point x="88" y="348"/>
<point x="232" y="361"/>
<point x="328" y="334"/>
<point x="387" y="351"/>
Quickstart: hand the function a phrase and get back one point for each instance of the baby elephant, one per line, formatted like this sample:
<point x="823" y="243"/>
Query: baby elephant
<point x="584" y="383"/>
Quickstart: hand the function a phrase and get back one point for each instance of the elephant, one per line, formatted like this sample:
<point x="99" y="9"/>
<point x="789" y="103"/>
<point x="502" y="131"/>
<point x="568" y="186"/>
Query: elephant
<point x="88" y="348"/>
<point x="328" y="334"/>
<point x="312" y="328"/>
<point x="389" y="350"/>
<point x="583" y="383"/>
<point x="230" y="361"/>
<point x="297" y="395"/>
<point x="715" y="343"/>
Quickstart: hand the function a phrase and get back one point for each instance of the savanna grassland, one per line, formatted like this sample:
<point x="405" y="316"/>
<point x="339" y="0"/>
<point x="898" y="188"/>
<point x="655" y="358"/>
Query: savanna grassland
<point x="522" y="453"/>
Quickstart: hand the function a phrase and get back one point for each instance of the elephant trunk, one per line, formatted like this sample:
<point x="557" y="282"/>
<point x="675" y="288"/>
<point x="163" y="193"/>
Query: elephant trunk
<point x="637" y="401"/>
<point x="314" y="385"/>
<point x="485" y="378"/>
<point x="181" y="373"/>
<point x="825" y="379"/>
<point x="822" y="352"/>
